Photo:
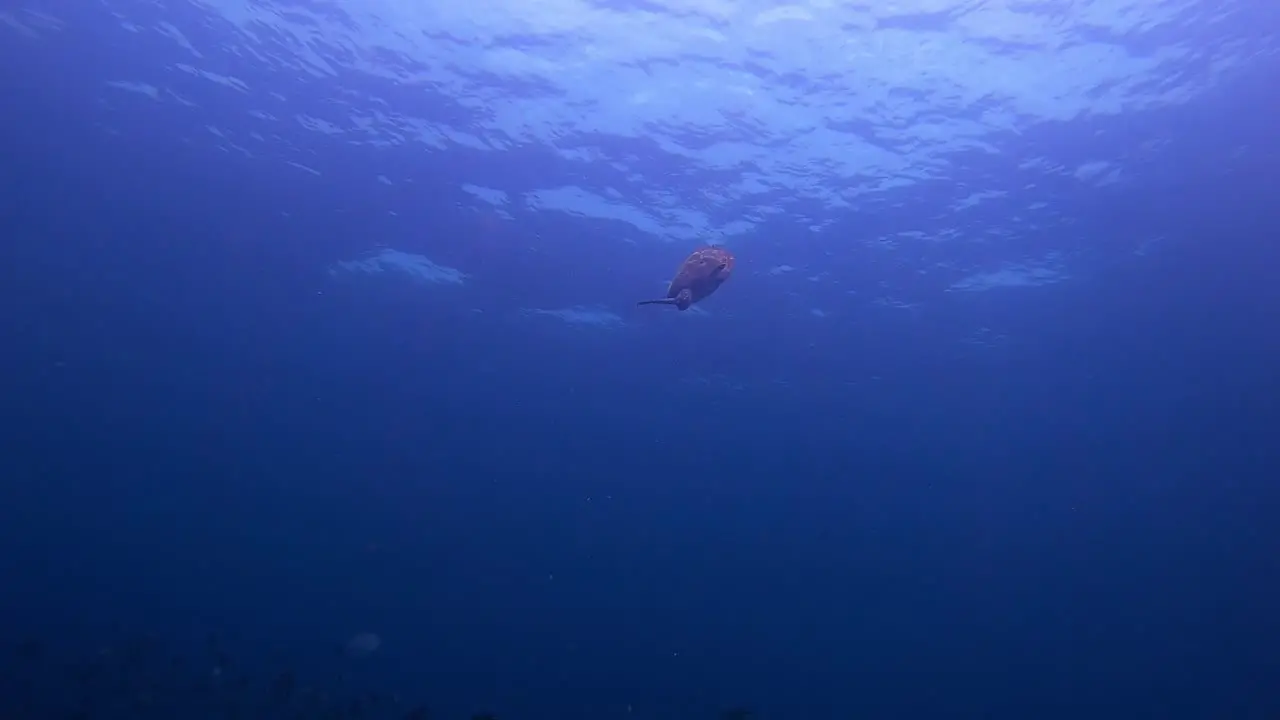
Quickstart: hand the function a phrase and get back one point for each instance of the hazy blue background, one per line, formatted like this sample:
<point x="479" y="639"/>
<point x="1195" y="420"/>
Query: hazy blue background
<point x="318" y="318"/>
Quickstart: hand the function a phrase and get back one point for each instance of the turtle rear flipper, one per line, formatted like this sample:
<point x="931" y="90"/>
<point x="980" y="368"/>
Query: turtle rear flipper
<point x="663" y="301"/>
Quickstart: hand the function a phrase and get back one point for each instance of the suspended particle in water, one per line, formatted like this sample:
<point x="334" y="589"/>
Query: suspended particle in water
<point x="362" y="645"/>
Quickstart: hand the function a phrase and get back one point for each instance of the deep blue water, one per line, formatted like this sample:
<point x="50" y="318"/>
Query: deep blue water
<point x="907" y="478"/>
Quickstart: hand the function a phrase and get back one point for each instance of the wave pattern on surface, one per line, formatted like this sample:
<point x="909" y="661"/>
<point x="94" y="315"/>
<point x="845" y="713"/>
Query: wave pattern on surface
<point x="701" y="119"/>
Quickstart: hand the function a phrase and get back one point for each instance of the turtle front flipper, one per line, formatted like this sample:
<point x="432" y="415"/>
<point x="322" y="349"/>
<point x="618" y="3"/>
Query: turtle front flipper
<point x="682" y="300"/>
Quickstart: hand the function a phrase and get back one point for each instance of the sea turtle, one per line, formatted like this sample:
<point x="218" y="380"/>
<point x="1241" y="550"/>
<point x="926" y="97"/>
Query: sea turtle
<point x="699" y="276"/>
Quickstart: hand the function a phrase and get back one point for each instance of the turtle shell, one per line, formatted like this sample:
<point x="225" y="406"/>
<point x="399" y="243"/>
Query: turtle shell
<point x="701" y="274"/>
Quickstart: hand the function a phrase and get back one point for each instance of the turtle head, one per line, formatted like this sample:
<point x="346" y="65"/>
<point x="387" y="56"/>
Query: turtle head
<point x="684" y="299"/>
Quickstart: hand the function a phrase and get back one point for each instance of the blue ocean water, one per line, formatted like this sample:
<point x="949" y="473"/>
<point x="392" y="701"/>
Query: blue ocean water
<point x="326" y="394"/>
